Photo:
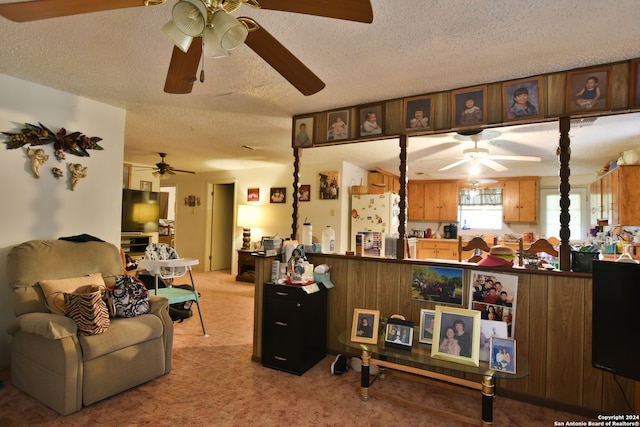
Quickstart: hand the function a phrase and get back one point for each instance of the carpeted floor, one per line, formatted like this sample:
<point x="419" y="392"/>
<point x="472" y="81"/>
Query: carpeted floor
<point x="215" y="383"/>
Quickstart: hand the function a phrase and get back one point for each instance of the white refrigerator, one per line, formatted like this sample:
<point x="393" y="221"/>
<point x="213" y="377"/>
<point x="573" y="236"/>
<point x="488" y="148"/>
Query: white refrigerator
<point x="374" y="217"/>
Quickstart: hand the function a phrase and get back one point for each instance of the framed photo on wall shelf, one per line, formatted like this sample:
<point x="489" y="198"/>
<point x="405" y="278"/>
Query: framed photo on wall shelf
<point x="468" y="106"/>
<point x="371" y="119"/>
<point x="365" y="326"/>
<point x="589" y="90"/>
<point x="457" y="335"/>
<point x="338" y="125"/>
<point x="278" y="195"/>
<point x="302" y="132"/>
<point x="418" y="113"/>
<point x="634" y="96"/>
<point x="522" y="100"/>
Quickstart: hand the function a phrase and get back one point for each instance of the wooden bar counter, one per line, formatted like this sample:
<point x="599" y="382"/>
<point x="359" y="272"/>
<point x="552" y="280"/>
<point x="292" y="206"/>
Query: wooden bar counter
<point x="552" y="329"/>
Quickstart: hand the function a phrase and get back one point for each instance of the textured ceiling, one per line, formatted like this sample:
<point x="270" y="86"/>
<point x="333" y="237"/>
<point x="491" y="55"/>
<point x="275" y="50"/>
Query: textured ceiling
<point x="412" y="47"/>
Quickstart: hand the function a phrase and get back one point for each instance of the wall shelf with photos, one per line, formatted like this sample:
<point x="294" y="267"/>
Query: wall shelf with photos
<point x="542" y="98"/>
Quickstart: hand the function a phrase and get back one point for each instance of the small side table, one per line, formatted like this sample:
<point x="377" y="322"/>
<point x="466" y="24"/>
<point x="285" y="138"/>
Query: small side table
<point x="246" y="267"/>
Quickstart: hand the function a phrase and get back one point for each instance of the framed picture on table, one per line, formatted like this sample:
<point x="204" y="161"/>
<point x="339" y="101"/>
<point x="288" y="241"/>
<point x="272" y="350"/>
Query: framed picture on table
<point x="503" y="355"/>
<point x="365" y="326"/>
<point x="457" y="335"/>
<point x="399" y="333"/>
<point x="427" y="324"/>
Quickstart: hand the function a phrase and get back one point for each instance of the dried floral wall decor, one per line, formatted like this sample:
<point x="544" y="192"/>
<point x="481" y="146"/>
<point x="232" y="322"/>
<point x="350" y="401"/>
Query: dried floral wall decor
<point x="75" y="143"/>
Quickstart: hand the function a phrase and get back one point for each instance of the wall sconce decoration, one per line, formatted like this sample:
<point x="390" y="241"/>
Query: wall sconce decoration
<point x="77" y="172"/>
<point x="192" y="201"/>
<point x="248" y="216"/>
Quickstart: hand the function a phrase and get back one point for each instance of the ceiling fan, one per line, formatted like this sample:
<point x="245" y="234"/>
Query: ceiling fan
<point x="477" y="155"/>
<point x="164" y="169"/>
<point x="206" y="28"/>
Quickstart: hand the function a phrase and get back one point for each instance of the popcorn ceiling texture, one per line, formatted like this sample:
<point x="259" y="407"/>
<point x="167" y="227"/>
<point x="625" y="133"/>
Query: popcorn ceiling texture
<point x="415" y="46"/>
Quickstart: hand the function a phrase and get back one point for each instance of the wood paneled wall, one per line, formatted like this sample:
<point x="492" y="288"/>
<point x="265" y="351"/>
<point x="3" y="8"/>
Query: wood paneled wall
<point x="552" y="326"/>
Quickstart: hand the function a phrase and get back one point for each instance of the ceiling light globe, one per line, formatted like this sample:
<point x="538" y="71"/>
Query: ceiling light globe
<point x="190" y="17"/>
<point x="232" y="32"/>
<point x="475" y="170"/>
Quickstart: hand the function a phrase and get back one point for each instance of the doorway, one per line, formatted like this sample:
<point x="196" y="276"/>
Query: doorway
<point x="221" y="226"/>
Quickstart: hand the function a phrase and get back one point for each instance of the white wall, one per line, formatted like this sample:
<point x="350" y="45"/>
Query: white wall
<point x="46" y="208"/>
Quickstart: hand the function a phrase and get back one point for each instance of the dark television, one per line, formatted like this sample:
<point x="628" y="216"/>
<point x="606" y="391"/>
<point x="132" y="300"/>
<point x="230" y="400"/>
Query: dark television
<point x="140" y="211"/>
<point x="616" y="321"/>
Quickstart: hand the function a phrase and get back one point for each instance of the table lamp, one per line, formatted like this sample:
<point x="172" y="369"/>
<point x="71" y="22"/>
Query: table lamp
<point x="248" y="216"/>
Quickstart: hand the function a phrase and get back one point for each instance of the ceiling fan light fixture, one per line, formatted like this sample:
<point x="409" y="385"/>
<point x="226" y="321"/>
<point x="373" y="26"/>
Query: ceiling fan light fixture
<point x="178" y="38"/>
<point x="232" y="33"/>
<point x="211" y="46"/>
<point x="475" y="169"/>
<point x="190" y="16"/>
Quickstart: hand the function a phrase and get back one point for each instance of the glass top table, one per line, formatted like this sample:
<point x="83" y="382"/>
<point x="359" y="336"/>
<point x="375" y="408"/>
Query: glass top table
<point x="418" y="361"/>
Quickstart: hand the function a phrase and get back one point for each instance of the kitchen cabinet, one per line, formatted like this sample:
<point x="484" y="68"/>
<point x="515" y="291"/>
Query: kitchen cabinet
<point x="432" y="201"/>
<point x="390" y="182"/>
<point x="595" y="202"/>
<point x="437" y="249"/>
<point x="618" y="195"/>
<point x="294" y="334"/>
<point x="520" y="200"/>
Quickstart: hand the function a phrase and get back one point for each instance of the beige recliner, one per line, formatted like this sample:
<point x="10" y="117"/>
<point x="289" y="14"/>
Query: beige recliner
<point x="54" y="364"/>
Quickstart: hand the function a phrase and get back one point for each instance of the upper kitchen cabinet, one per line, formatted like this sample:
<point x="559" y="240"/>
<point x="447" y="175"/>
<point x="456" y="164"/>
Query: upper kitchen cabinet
<point x="432" y="201"/>
<point x="520" y="200"/>
<point x="389" y="181"/>
<point x="619" y="196"/>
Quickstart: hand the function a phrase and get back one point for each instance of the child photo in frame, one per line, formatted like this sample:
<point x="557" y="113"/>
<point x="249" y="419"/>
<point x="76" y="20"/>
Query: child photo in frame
<point x="427" y="324"/>
<point x="399" y="333"/>
<point x="521" y="99"/>
<point x="371" y="119"/>
<point x="457" y="335"/>
<point x="365" y="326"/>
<point x="418" y="113"/>
<point x="588" y="90"/>
<point x="503" y="355"/>
<point x="338" y="127"/>
<point x="468" y="106"/>
<point x="303" y="132"/>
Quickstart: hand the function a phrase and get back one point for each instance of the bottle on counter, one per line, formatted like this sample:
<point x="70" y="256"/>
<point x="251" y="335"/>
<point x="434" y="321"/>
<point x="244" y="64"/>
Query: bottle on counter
<point x="328" y="240"/>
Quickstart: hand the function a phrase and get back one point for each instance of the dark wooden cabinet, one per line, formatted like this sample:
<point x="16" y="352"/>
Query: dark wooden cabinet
<point x="294" y="334"/>
<point x="246" y="267"/>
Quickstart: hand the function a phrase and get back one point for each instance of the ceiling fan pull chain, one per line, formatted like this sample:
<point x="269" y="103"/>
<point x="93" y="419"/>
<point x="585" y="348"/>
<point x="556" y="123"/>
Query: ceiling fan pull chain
<point x="202" y="69"/>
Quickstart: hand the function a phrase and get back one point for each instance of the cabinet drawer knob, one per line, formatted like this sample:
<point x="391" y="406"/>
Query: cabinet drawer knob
<point x="282" y="294"/>
<point x="282" y="324"/>
<point x="283" y="359"/>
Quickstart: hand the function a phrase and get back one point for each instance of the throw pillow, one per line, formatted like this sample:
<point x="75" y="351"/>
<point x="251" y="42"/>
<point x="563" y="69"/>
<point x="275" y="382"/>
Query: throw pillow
<point x="54" y="290"/>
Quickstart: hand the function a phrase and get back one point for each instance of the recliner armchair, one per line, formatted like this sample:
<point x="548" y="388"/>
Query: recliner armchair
<point x="49" y="360"/>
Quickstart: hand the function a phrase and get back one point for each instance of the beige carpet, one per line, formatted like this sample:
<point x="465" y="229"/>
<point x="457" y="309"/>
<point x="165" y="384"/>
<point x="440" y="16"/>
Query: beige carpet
<point x="215" y="383"/>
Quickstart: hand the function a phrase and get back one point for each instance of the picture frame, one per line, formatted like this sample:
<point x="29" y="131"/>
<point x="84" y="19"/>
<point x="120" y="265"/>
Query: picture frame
<point x="146" y="185"/>
<point x="437" y="284"/>
<point x="503" y="354"/>
<point x="634" y="94"/>
<point x="337" y="125"/>
<point x="522" y="100"/>
<point x="488" y="329"/>
<point x="581" y="94"/>
<point x="303" y="133"/>
<point x="304" y="193"/>
<point x="365" y="326"/>
<point x="253" y="195"/>
<point x="371" y="119"/>
<point x="399" y="333"/>
<point x="469" y="107"/>
<point x="458" y="333"/>
<point x="480" y="298"/>
<point x="329" y="188"/>
<point x="427" y="325"/>
<point x="277" y="195"/>
<point x="418" y="114"/>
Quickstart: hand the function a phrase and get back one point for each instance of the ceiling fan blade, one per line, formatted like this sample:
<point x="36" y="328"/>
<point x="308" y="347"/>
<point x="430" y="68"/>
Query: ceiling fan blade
<point x="180" y="170"/>
<point x="350" y="10"/>
<point x="518" y="158"/>
<point x="454" y="164"/>
<point x="283" y="61"/>
<point x="183" y="68"/>
<point x="493" y="165"/>
<point x="45" y="9"/>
